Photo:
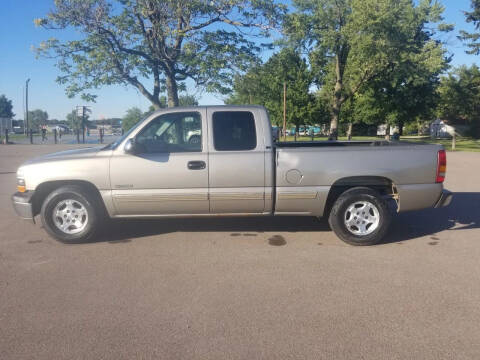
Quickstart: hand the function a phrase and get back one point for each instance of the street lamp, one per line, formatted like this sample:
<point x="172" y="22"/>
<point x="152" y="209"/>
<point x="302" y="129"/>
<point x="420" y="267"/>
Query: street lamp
<point x="26" y="106"/>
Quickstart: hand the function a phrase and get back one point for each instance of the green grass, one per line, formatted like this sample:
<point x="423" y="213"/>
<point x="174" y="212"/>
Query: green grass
<point x="462" y="143"/>
<point x="20" y="136"/>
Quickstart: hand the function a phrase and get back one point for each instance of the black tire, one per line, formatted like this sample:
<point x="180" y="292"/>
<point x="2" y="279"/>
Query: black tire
<point x="340" y="212"/>
<point x="80" y="196"/>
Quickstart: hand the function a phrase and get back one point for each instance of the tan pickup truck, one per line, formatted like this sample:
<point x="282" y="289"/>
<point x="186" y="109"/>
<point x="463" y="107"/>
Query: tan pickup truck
<point x="222" y="160"/>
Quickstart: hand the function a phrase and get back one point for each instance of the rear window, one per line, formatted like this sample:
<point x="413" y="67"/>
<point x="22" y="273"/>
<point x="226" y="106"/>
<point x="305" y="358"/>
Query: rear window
<point x="234" y="130"/>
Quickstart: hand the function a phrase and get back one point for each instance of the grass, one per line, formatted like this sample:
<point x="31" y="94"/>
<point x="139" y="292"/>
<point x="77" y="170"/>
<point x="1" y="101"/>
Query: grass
<point x="462" y="143"/>
<point x="20" y="136"/>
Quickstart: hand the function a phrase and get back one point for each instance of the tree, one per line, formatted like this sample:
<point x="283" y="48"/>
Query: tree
<point x="263" y="85"/>
<point x="37" y="118"/>
<point x="472" y="39"/>
<point x="163" y="41"/>
<point x="75" y="121"/>
<point x="406" y="95"/>
<point x="133" y="116"/>
<point x="183" y="100"/>
<point x="353" y="42"/>
<point x="459" y="93"/>
<point x="6" y="107"/>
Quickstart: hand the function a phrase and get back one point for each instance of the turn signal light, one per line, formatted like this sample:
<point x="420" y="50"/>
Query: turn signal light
<point x="441" y="166"/>
<point x="21" y="185"/>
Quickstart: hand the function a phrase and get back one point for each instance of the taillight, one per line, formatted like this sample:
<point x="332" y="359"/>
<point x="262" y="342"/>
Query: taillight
<point x="441" y="166"/>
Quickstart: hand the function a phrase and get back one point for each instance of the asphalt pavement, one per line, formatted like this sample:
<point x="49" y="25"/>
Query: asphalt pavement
<point x="246" y="288"/>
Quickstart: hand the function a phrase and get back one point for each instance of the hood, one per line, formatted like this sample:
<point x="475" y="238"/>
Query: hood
<point x="65" y="155"/>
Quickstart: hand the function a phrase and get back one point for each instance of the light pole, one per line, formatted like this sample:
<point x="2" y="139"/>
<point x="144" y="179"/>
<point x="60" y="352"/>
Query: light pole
<point x="26" y="107"/>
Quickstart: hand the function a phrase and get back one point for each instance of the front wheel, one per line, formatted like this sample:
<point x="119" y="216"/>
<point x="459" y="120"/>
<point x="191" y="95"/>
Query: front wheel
<point x="69" y="215"/>
<point x="360" y="216"/>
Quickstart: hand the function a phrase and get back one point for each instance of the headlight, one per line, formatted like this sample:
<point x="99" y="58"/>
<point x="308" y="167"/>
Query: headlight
<point x="20" y="172"/>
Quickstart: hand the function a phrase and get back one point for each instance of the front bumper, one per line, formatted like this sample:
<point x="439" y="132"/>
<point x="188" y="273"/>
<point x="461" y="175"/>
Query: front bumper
<point x="444" y="200"/>
<point x="22" y="203"/>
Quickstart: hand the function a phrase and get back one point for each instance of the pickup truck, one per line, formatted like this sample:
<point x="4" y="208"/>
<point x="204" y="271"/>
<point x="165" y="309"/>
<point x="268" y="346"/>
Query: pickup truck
<point x="233" y="168"/>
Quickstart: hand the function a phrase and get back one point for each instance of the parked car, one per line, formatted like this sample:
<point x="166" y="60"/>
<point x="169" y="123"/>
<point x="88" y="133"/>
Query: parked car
<point x="236" y="169"/>
<point x="63" y="128"/>
<point x="18" y="130"/>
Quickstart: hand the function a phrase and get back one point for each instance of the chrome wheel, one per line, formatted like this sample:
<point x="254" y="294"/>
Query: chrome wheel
<point x="361" y="218"/>
<point x="70" y="216"/>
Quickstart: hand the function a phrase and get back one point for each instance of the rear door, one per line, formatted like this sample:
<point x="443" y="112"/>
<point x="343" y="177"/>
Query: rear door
<point x="236" y="161"/>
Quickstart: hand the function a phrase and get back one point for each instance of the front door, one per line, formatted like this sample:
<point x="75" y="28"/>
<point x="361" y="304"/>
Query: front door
<point x="169" y="172"/>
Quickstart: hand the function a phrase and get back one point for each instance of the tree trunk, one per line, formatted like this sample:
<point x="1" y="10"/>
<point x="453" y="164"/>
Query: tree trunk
<point x="172" y="91"/>
<point x="334" y="124"/>
<point x="387" y="132"/>
<point x="156" y="104"/>
<point x="349" y="131"/>
<point x="337" y="98"/>
<point x="400" y="127"/>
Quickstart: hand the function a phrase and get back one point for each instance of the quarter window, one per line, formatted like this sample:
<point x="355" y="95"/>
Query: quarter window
<point x="234" y="130"/>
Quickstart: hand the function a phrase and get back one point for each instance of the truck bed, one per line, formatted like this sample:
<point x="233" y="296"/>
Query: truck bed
<point x="305" y="171"/>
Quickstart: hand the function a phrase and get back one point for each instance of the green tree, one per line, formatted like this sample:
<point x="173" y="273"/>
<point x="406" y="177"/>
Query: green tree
<point x="472" y="39"/>
<point x="75" y="121"/>
<point x="459" y="93"/>
<point x="6" y="107"/>
<point x="406" y="95"/>
<point x="163" y="41"/>
<point x="37" y="118"/>
<point x="133" y="116"/>
<point x="263" y="85"/>
<point x="353" y="42"/>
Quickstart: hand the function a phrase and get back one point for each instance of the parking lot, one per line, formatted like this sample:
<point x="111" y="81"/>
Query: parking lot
<point x="247" y="288"/>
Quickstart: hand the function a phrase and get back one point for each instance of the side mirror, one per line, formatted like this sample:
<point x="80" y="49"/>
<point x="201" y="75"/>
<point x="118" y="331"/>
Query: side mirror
<point x="130" y="147"/>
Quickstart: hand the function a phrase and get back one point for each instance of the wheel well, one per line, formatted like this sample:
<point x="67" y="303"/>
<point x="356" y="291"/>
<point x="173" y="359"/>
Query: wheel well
<point x="44" y="189"/>
<point x="381" y="184"/>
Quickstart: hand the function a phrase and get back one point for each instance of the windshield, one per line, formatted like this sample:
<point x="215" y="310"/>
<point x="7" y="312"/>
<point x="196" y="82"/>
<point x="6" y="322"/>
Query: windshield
<point x="113" y="145"/>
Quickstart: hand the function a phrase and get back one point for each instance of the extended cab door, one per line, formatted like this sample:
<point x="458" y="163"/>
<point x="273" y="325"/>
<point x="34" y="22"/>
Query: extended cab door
<point x="168" y="174"/>
<point x="236" y="161"/>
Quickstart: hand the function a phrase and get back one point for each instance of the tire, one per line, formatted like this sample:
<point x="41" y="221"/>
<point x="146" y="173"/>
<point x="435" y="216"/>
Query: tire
<point x="79" y="214"/>
<point x="360" y="216"/>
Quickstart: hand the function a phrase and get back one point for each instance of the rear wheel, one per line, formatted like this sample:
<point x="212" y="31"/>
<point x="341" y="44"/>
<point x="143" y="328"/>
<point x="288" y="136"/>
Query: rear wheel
<point x="69" y="215"/>
<point x="360" y="216"/>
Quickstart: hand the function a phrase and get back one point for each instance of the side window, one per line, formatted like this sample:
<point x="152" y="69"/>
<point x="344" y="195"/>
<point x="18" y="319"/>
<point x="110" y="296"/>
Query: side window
<point x="175" y="132"/>
<point x="234" y="130"/>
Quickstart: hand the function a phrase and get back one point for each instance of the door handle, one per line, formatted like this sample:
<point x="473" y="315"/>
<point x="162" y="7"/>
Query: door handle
<point x="196" y="165"/>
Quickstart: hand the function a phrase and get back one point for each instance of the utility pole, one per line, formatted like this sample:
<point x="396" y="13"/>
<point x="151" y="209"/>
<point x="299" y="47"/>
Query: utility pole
<point x="83" y="124"/>
<point x="85" y="109"/>
<point x="25" y="122"/>
<point x="284" y="111"/>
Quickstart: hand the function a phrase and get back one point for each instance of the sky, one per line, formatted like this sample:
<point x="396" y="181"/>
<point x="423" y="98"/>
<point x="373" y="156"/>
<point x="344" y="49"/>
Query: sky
<point x="18" y="63"/>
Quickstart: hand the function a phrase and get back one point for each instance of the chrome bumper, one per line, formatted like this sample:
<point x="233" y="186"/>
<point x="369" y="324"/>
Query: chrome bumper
<point x="444" y="200"/>
<point x="22" y="204"/>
